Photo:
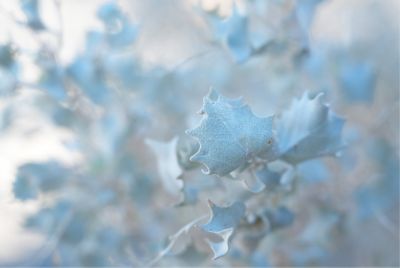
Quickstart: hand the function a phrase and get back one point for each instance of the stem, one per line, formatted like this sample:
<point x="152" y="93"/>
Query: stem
<point x="173" y="239"/>
<point x="54" y="240"/>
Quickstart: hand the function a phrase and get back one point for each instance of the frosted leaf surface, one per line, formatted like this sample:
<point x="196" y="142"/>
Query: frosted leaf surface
<point x="230" y="134"/>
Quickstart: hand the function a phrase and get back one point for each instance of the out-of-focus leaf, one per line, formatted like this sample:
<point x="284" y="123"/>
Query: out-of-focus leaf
<point x="313" y="171"/>
<point x="230" y="135"/>
<point x="31" y="11"/>
<point x="123" y="69"/>
<point x="6" y="55"/>
<point x="357" y="81"/>
<point x="234" y="33"/>
<point x="261" y="180"/>
<point x="279" y="218"/>
<point x="308" y="129"/>
<point x="190" y="196"/>
<point x="48" y="218"/>
<point x="33" y="178"/>
<point x="168" y="165"/>
<point x="305" y="10"/>
<point x="120" y="31"/>
<point x="222" y="247"/>
<point x="6" y="117"/>
<point x="223" y="218"/>
<point x="382" y="193"/>
<point x="186" y="148"/>
<point x="8" y="82"/>
<point x="90" y="77"/>
<point x="222" y="223"/>
<point x="270" y="179"/>
<point x="110" y="130"/>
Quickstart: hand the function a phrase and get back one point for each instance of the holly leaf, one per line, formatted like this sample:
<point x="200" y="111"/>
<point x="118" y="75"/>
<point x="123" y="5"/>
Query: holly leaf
<point x="230" y="135"/>
<point x="308" y="129"/>
<point x="223" y="218"/>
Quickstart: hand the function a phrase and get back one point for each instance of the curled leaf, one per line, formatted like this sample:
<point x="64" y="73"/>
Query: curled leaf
<point x="222" y="223"/>
<point x="308" y="129"/>
<point x="222" y="247"/>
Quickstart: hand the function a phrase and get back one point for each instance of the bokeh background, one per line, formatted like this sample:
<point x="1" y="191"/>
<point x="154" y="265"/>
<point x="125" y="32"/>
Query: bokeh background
<point x="346" y="208"/>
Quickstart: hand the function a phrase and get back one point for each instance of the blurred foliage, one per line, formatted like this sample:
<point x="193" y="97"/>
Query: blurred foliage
<point x="299" y="185"/>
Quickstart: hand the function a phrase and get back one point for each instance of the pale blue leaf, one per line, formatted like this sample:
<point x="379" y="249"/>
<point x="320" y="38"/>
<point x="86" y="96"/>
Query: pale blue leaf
<point x="313" y="171"/>
<point x="48" y="218"/>
<point x="279" y="218"/>
<point x="76" y="229"/>
<point x="382" y="194"/>
<point x="6" y="55"/>
<point x="263" y="179"/>
<point x="220" y="248"/>
<point x="8" y="82"/>
<point x="33" y="178"/>
<point x="110" y="129"/>
<point x="120" y="31"/>
<point x="90" y="77"/>
<point x="270" y="179"/>
<point x="308" y="129"/>
<point x="230" y="135"/>
<point x="168" y="165"/>
<point x="233" y="33"/>
<point x="123" y="69"/>
<point x="185" y="149"/>
<point x="6" y="117"/>
<point x="223" y="218"/>
<point x="31" y="11"/>
<point x="190" y="196"/>
<point x="52" y="83"/>
<point x="357" y="81"/>
<point x="305" y="10"/>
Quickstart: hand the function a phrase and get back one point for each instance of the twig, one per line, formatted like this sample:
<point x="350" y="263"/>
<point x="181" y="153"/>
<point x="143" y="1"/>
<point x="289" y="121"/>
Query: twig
<point x="53" y="241"/>
<point x="173" y="239"/>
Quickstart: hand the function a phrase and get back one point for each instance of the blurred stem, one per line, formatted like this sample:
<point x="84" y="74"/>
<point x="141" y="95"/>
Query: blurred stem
<point x="51" y="244"/>
<point x="173" y="238"/>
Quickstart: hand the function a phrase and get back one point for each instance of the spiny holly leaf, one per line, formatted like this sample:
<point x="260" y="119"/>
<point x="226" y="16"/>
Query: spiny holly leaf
<point x="230" y="135"/>
<point x="168" y="165"/>
<point x="308" y="129"/>
<point x="224" y="217"/>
